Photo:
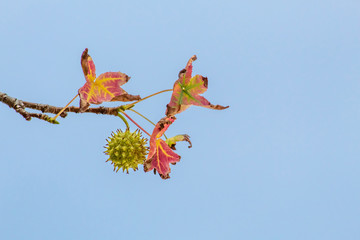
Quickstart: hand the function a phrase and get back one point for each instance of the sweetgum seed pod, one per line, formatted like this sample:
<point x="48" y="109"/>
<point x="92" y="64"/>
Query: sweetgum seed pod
<point x="126" y="150"/>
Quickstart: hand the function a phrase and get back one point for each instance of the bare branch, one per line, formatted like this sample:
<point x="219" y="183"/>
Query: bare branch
<point x="45" y="108"/>
<point x="19" y="106"/>
<point x="99" y="110"/>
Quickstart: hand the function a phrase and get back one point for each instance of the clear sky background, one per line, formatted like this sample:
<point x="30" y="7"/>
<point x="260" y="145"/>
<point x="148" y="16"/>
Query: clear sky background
<point x="283" y="162"/>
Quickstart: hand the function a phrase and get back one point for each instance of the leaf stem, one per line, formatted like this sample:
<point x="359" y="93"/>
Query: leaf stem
<point x="124" y="120"/>
<point x="142" y="116"/>
<point x="132" y="104"/>
<point x="135" y="122"/>
<point x="145" y="118"/>
<point x="54" y="118"/>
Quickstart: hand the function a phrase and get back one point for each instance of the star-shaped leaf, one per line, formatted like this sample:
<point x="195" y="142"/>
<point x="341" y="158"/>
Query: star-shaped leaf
<point x="104" y="88"/>
<point x="186" y="92"/>
<point x="160" y="154"/>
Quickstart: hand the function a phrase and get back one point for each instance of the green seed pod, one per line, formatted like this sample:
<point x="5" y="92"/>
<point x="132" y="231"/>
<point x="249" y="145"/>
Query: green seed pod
<point x="126" y="150"/>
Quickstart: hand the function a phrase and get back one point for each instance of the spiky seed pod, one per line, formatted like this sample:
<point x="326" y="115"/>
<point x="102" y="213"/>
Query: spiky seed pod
<point x="126" y="150"/>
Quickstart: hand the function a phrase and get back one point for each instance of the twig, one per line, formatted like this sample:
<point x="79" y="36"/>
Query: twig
<point x="44" y="108"/>
<point x="19" y="106"/>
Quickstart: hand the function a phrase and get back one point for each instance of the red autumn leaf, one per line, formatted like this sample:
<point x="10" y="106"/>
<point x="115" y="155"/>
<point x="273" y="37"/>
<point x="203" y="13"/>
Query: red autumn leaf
<point x="186" y="92"/>
<point x="164" y="155"/>
<point x="160" y="154"/>
<point x="104" y="88"/>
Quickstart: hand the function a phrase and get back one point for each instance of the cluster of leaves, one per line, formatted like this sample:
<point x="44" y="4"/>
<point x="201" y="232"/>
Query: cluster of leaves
<point x="186" y="92"/>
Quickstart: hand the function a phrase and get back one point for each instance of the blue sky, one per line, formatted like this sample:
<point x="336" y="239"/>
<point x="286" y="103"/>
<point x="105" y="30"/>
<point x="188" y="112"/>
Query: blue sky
<point x="281" y="163"/>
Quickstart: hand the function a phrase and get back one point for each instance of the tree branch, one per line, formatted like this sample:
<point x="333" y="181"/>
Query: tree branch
<point x="45" y="108"/>
<point x="19" y="106"/>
